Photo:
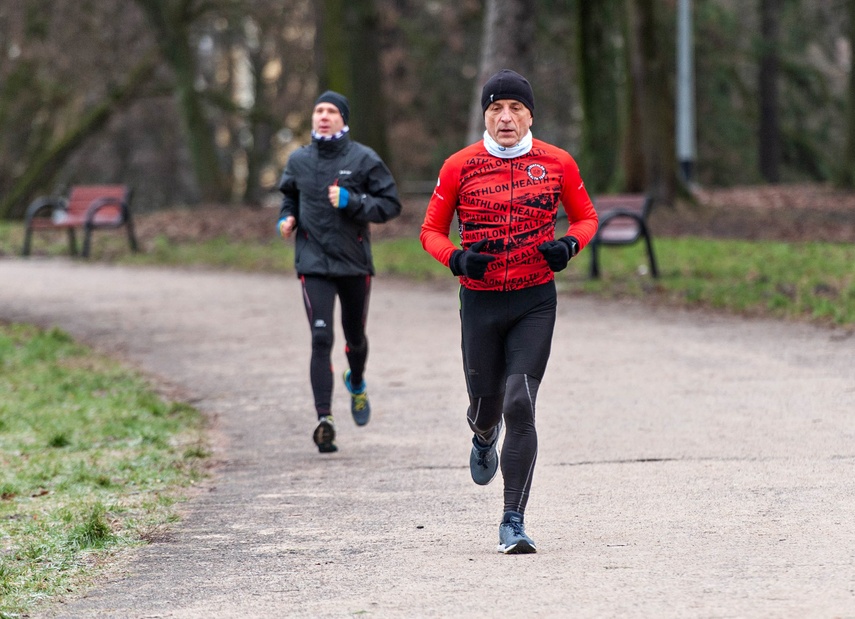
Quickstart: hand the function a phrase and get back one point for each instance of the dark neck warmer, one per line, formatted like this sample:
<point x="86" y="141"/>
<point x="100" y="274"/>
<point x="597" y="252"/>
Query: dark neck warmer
<point x="331" y="147"/>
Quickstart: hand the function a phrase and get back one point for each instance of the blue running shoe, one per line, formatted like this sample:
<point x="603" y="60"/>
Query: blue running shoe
<point x="512" y="537"/>
<point x="484" y="459"/>
<point x="360" y="408"/>
<point x="324" y="435"/>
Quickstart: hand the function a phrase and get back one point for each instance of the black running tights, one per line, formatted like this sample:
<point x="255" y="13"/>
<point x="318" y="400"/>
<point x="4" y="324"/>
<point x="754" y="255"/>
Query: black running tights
<point x="319" y="295"/>
<point x="506" y="340"/>
<point x="519" y="449"/>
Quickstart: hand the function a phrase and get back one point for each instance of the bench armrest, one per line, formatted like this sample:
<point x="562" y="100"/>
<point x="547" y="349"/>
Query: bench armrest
<point x="620" y="227"/>
<point x="45" y="203"/>
<point x="101" y="203"/>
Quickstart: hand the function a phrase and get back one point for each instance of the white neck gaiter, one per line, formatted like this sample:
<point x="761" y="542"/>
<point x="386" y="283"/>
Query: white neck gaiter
<point x="508" y="152"/>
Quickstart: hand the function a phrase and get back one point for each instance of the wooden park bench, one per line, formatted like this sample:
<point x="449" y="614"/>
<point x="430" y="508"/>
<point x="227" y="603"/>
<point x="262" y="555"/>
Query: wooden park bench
<point x="623" y="221"/>
<point x="88" y="207"/>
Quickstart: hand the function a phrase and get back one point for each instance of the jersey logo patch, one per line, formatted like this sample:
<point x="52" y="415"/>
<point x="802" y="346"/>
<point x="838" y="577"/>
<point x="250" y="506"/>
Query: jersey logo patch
<point x="536" y="172"/>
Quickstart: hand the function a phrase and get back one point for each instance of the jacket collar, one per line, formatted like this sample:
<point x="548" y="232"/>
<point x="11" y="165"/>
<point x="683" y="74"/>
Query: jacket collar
<point x="329" y="148"/>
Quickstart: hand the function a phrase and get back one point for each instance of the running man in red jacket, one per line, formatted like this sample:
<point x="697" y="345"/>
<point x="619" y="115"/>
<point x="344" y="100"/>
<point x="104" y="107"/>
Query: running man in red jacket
<point x="506" y="190"/>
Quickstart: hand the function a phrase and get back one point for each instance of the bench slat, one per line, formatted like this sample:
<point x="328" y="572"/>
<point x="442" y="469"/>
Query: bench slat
<point x="88" y="207"/>
<point x="620" y="230"/>
<point x="84" y="197"/>
<point x="626" y="201"/>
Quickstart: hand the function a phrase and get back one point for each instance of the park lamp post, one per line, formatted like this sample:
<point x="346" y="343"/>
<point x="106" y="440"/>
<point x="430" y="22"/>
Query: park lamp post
<point x="686" y="140"/>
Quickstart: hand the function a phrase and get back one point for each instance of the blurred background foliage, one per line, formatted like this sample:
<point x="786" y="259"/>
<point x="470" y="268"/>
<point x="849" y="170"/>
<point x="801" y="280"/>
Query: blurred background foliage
<point x="202" y="101"/>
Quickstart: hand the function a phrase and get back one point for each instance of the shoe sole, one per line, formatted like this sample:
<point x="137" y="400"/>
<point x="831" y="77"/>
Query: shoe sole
<point x="520" y="548"/>
<point x="324" y="436"/>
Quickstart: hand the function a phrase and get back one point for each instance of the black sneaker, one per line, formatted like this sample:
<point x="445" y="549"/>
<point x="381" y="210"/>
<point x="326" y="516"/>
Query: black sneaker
<point x="324" y="435"/>
<point x="512" y="537"/>
<point x="484" y="459"/>
<point x="360" y="408"/>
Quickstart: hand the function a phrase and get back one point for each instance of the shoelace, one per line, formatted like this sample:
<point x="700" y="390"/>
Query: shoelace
<point x="516" y="527"/>
<point x="360" y="401"/>
<point x="483" y="452"/>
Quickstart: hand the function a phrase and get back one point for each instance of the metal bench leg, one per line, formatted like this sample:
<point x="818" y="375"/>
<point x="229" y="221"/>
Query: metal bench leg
<point x="595" y="260"/>
<point x="132" y="239"/>
<point x="87" y="241"/>
<point x="28" y="236"/>
<point x="654" y="270"/>
<point x="72" y="242"/>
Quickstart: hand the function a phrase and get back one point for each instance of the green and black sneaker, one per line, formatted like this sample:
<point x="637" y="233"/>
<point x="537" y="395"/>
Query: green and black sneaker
<point x="360" y="408"/>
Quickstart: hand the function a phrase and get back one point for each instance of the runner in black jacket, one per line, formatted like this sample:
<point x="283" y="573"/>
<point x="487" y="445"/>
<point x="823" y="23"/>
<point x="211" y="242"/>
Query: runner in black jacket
<point x="332" y="189"/>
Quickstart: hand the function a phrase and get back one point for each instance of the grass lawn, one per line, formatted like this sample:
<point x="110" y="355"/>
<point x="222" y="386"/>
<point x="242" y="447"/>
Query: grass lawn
<point x="811" y="281"/>
<point x="91" y="461"/>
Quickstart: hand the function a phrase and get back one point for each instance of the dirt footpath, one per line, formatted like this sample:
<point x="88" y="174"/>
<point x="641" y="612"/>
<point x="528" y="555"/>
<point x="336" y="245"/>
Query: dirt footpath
<point x="689" y="465"/>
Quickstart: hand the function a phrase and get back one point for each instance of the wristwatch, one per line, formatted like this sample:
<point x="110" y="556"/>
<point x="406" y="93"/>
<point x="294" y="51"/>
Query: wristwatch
<point x="573" y="244"/>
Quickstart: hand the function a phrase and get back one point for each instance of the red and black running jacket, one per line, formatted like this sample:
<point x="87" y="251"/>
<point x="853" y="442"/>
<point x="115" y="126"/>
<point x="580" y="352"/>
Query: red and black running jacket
<point x="514" y="204"/>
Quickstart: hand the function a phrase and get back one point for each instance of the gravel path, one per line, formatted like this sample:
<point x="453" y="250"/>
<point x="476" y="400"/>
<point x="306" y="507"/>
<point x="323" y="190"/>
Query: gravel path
<point x="690" y="465"/>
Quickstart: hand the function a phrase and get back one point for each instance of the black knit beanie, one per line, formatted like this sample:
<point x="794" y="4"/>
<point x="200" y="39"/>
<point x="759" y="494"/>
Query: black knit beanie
<point x="340" y="101"/>
<point x="507" y="84"/>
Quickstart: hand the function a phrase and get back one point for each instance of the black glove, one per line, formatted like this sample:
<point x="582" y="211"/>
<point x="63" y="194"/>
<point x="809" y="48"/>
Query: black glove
<point x="470" y="262"/>
<point x="558" y="253"/>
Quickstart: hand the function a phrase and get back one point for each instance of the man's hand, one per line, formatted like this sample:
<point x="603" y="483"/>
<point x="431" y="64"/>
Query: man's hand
<point x="558" y="253"/>
<point x="287" y="225"/>
<point x="471" y="263"/>
<point x="338" y="196"/>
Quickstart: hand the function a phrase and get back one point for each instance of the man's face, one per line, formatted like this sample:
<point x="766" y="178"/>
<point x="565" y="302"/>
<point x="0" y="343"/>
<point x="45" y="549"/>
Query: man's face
<point x="326" y="119"/>
<point x="507" y="121"/>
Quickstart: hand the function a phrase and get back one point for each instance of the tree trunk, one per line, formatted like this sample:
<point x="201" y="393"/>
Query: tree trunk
<point x="171" y="22"/>
<point x="655" y="109"/>
<point x="598" y="86"/>
<point x="368" y="102"/>
<point x="506" y="43"/>
<point x="44" y="167"/>
<point x="331" y="49"/>
<point x="847" y="176"/>
<point x="347" y="53"/>
<point x="261" y="130"/>
<point x="632" y="165"/>
<point x="769" y="136"/>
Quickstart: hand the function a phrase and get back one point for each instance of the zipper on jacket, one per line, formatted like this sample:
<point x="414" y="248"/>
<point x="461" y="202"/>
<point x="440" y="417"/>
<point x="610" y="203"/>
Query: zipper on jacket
<point x="510" y="226"/>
